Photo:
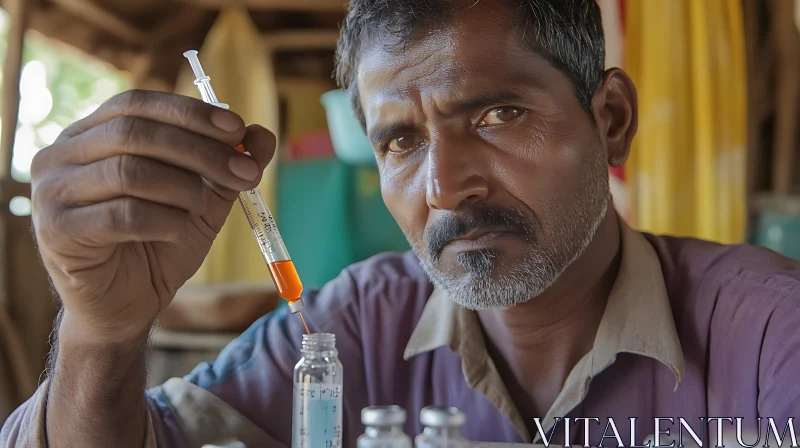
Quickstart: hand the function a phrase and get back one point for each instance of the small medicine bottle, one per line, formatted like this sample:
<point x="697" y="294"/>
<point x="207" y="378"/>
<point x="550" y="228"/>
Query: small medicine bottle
<point x="442" y="428"/>
<point x="384" y="428"/>
<point x="317" y="410"/>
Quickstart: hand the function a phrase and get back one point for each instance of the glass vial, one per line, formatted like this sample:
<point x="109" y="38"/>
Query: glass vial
<point x="317" y="416"/>
<point x="384" y="428"/>
<point x="442" y="428"/>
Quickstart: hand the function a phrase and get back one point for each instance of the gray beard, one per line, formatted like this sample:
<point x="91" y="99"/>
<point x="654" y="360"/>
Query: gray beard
<point x="482" y="288"/>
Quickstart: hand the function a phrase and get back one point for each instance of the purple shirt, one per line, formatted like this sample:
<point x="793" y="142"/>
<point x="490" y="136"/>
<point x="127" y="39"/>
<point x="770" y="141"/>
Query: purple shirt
<point x="692" y="329"/>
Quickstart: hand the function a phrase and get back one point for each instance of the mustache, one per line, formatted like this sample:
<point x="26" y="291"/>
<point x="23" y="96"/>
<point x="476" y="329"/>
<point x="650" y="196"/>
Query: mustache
<point x="455" y="224"/>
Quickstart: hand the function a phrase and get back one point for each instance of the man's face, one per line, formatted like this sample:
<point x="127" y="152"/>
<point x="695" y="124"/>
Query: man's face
<point x="488" y="162"/>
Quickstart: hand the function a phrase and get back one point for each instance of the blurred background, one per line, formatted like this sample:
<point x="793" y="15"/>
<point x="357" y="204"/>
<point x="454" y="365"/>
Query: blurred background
<point x="716" y="156"/>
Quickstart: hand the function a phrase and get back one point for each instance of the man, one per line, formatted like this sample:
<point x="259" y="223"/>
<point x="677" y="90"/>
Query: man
<point x="525" y="298"/>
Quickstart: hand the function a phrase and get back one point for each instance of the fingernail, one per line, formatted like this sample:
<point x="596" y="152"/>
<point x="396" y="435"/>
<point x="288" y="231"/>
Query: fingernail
<point x="227" y="121"/>
<point x="243" y="168"/>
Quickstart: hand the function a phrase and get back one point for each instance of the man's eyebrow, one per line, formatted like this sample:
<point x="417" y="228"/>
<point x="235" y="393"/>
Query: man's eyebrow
<point x="380" y="133"/>
<point x="486" y="99"/>
<point x="479" y="100"/>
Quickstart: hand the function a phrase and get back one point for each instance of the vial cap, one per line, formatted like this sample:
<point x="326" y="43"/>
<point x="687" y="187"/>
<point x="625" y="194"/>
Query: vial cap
<point x="442" y="416"/>
<point x="383" y="416"/>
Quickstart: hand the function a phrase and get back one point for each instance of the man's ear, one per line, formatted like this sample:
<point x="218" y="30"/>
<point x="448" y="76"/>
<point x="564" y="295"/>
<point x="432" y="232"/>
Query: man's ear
<point x="616" y="112"/>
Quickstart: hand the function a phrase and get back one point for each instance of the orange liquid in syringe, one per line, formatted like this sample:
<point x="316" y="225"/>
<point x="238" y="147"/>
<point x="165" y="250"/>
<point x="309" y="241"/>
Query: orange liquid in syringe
<point x="288" y="283"/>
<point x="286" y="279"/>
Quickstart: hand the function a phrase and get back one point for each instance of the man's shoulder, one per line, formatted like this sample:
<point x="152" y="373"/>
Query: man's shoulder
<point x="696" y="266"/>
<point x="736" y="305"/>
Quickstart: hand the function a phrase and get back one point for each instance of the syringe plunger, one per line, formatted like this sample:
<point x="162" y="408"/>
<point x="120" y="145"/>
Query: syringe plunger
<point x="202" y="81"/>
<point x="191" y="55"/>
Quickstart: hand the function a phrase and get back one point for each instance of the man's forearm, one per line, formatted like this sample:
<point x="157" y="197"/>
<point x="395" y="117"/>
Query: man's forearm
<point x="97" y="391"/>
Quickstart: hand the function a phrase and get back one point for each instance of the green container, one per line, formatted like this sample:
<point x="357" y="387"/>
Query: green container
<point x="349" y="140"/>
<point x="375" y="229"/>
<point x="778" y="226"/>
<point x="331" y="215"/>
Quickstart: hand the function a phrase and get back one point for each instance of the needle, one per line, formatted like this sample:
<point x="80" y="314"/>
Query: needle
<point x="304" y="322"/>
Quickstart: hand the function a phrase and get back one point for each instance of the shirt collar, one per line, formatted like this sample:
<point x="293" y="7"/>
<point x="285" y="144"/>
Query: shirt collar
<point x="637" y="319"/>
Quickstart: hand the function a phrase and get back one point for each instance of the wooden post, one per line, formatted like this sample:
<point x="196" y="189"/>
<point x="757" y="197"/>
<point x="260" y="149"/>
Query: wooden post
<point x="11" y="346"/>
<point x="19" y="12"/>
<point x="787" y="95"/>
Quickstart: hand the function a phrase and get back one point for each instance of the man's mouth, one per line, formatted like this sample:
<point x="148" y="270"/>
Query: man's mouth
<point x="477" y="239"/>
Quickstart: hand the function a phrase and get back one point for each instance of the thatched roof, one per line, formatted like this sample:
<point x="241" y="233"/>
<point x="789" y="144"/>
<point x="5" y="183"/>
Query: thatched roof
<point x="143" y="37"/>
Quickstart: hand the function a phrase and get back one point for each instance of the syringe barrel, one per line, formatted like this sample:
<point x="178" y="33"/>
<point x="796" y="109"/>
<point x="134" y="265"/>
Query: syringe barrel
<point x="264" y="228"/>
<point x="281" y="267"/>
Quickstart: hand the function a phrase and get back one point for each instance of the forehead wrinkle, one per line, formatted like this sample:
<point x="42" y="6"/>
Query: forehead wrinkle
<point x="392" y="108"/>
<point x="414" y="64"/>
<point x="448" y="63"/>
<point x="452" y="58"/>
<point x="402" y="80"/>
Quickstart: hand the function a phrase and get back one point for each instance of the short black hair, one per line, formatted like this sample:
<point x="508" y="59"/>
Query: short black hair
<point x="569" y="33"/>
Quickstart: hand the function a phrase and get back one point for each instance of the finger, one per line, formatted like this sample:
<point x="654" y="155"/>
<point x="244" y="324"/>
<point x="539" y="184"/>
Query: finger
<point x="127" y="175"/>
<point x="209" y="158"/>
<point x="260" y="143"/>
<point x="122" y="220"/>
<point x="218" y="208"/>
<point x="168" y="108"/>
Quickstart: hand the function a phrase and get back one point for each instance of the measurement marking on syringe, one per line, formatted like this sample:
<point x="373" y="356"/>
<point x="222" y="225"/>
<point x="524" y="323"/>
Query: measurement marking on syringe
<point x="258" y="230"/>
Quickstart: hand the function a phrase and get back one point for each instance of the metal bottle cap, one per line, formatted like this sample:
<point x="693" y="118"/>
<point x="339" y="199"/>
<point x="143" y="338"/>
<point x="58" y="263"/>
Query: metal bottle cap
<point x="383" y="416"/>
<point x="442" y="416"/>
<point x="296" y="306"/>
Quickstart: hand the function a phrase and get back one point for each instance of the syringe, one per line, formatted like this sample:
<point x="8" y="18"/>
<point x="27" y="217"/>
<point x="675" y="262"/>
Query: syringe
<point x="281" y="267"/>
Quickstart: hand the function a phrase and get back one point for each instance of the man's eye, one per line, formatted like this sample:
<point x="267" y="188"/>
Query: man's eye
<point x="403" y="143"/>
<point x="500" y="115"/>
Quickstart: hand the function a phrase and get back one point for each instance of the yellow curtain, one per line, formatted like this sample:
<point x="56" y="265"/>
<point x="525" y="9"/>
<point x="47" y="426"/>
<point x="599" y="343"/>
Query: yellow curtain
<point x="241" y="71"/>
<point x="687" y="165"/>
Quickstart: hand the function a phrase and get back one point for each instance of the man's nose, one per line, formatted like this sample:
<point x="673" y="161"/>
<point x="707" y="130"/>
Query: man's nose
<point x="455" y="174"/>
